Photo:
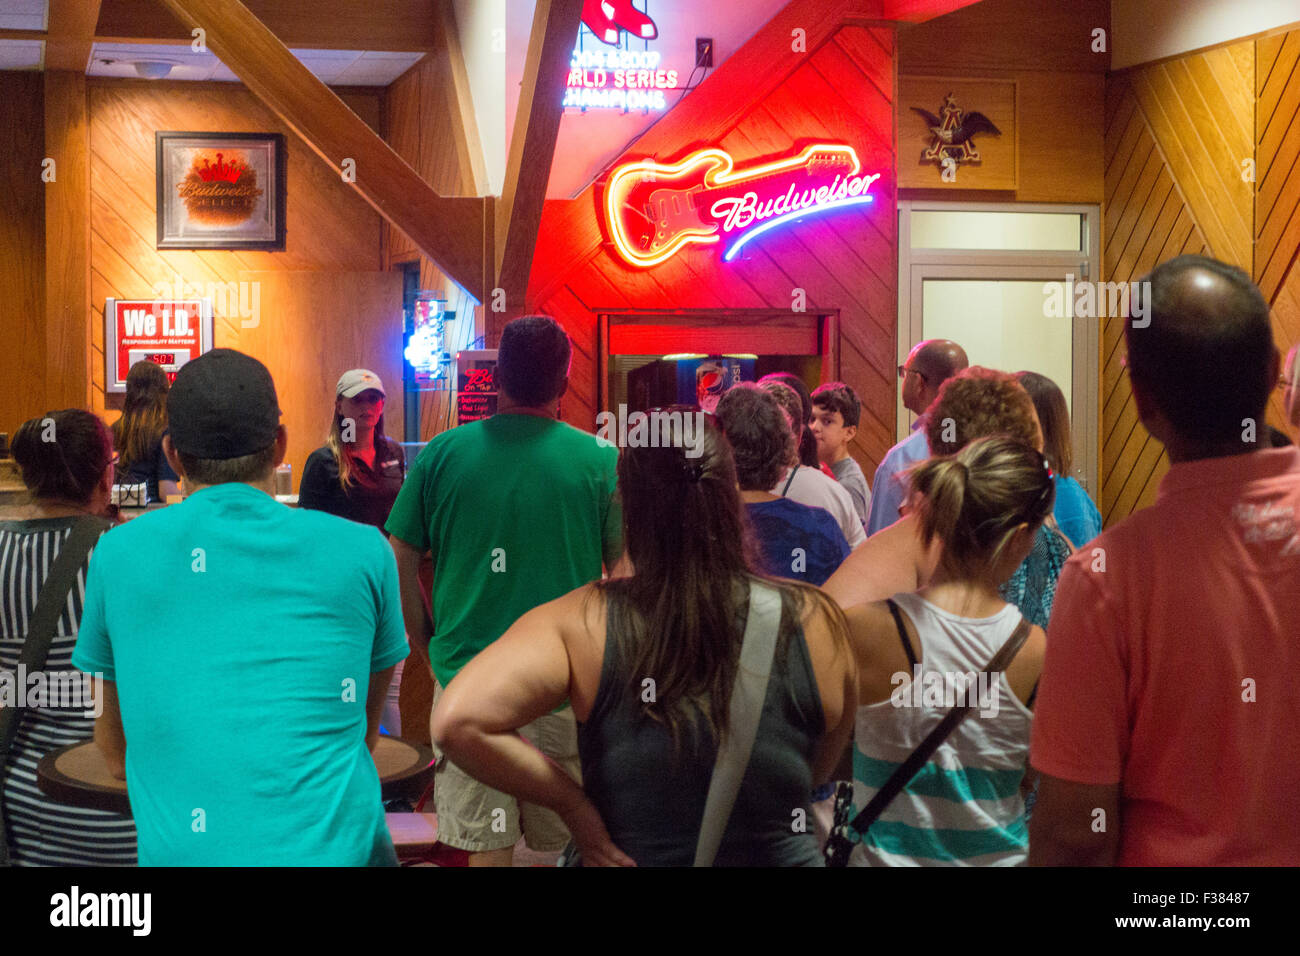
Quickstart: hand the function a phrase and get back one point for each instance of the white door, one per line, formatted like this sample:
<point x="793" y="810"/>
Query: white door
<point x="1000" y="280"/>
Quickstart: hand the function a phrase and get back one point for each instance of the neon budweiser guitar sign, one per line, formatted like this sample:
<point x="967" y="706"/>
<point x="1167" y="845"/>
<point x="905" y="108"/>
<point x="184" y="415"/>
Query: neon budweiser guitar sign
<point x="653" y="210"/>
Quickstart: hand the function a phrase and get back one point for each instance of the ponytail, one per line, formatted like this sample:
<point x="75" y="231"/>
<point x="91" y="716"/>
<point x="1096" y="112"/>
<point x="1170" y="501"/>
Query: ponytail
<point x="974" y="501"/>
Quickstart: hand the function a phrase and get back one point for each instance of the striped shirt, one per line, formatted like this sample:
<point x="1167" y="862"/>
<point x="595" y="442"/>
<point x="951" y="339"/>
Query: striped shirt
<point x="42" y="832"/>
<point x="964" y="807"/>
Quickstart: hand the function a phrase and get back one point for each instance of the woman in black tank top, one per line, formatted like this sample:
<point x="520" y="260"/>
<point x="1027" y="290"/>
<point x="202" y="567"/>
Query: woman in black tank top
<point x="648" y="661"/>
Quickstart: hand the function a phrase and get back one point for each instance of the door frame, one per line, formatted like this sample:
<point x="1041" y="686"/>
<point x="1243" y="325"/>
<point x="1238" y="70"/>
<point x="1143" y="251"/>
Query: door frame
<point x="917" y="265"/>
<point x="760" y="331"/>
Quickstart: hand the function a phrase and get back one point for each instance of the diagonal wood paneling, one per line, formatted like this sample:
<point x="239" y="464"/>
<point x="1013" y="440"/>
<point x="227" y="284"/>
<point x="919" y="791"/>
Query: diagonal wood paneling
<point x="1277" y="202"/>
<point x="1198" y="110"/>
<point x="846" y="263"/>
<point x="1177" y="134"/>
<point x="331" y="235"/>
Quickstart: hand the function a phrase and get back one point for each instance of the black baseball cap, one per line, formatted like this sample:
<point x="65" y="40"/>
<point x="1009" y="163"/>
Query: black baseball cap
<point x="222" y="405"/>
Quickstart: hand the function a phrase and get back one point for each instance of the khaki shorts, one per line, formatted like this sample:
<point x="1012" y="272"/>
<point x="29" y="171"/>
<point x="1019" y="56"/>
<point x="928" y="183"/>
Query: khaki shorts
<point x="467" y="810"/>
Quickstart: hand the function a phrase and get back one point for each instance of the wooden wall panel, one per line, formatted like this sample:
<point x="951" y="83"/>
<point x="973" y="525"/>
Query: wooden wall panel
<point x="67" y="242"/>
<point x="423" y="128"/>
<point x="22" y="249"/>
<point x="1060" y="88"/>
<point x="846" y="262"/>
<point x="1198" y="110"/>
<point x="1008" y="35"/>
<point x="1177" y="134"/>
<point x="315" y="326"/>
<point x="330" y="230"/>
<point x="1277" y="202"/>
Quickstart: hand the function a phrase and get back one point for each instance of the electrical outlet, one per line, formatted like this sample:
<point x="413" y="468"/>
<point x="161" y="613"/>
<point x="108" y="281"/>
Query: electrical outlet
<point x="704" y="52"/>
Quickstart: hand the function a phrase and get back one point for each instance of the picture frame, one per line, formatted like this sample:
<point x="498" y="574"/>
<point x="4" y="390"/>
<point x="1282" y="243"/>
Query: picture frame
<point x="220" y="190"/>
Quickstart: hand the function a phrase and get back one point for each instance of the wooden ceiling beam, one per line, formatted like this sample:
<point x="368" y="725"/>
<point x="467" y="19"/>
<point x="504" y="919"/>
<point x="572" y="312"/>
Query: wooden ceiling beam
<point x="460" y="103"/>
<point x="447" y="230"/>
<point x="395" y="26"/>
<point x="70" y="34"/>
<point x="918" y="11"/>
<point x="532" y="144"/>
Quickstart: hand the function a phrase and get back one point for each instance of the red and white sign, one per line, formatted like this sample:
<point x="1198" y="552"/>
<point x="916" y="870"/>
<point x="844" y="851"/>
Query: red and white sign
<point x="618" y="79"/>
<point x="654" y="210"/>
<point x="167" y="332"/>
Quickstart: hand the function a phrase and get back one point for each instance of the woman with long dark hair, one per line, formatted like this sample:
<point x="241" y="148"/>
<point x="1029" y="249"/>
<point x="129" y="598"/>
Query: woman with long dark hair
<point x="66" y="459"/>
<point x="1075" y="513"/>
<point x="648" y="662"/>
<point x="357" y="473"/>
<point x="138" y="434"/>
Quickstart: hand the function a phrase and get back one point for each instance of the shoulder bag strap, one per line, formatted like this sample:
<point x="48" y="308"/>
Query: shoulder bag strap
<point x="746" y="708"/>
<point x="41" y="626"/>
<point x="789" y="481"/>
<point x="841" y="844"/>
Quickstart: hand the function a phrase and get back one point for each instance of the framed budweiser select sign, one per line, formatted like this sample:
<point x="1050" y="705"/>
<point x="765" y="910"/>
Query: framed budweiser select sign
<point x="220" y="190"/>
<point x="167" y="332"/>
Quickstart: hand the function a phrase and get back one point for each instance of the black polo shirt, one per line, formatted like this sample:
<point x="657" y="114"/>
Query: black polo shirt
<point x="371" y="494"/>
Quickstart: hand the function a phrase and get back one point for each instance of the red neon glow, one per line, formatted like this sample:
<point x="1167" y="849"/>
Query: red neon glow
<point x="607" y="18"/>
<point x="653" y="211"/>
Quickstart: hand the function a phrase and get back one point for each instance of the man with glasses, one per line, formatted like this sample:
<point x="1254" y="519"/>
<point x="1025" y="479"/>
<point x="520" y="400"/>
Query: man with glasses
<point x="928" y="366"/>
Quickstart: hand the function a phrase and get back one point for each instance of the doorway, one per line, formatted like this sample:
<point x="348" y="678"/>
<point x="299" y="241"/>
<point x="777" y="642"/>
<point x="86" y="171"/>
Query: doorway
<point x="651" y="359"/>
<point x="1000" y="280"/>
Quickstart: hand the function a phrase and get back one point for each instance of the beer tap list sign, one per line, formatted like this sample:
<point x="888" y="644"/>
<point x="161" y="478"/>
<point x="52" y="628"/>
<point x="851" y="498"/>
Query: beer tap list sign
<point x="654" y="210"/>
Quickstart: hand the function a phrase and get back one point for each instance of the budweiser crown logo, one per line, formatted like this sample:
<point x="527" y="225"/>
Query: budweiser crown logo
<point x="220" y="194"/>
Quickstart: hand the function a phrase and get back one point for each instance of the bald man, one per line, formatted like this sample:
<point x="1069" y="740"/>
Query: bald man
<point x="1165" y="726"/>
<point x="928" y="365"/>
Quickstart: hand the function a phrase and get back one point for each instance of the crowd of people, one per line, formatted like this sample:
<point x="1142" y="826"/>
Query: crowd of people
<point x="723" y="649"/>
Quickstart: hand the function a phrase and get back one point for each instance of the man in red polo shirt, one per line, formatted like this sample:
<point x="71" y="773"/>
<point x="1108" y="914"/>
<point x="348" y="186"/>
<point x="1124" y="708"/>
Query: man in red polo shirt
<point x="1167" y="726"/>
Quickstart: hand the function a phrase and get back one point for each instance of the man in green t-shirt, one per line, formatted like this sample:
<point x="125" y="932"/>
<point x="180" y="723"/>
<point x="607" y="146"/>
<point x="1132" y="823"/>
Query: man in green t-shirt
<point x="514" y="511"/>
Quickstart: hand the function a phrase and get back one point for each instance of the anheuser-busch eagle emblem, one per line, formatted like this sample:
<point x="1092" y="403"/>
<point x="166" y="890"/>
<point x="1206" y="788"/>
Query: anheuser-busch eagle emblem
<point x="954" y="134"/>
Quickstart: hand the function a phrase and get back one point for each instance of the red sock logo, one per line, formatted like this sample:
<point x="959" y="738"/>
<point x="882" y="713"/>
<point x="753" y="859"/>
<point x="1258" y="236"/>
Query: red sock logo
<point x="606" y="18"/>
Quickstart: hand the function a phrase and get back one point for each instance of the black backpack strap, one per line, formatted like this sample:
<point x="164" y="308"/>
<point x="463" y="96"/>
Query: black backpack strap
<point x="902" y="633"/>
<point x="842" y="838"/>
<point x="41" y="626"/>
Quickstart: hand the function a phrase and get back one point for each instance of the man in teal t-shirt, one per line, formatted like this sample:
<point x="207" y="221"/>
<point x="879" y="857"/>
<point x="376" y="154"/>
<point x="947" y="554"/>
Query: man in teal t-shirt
<point x="247" y="649"/>
<point x="514" y="511"/>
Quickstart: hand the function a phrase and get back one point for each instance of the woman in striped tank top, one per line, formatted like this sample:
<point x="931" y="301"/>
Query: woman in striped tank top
<point x="918" y="652"/>
<point x="66" y="459"/>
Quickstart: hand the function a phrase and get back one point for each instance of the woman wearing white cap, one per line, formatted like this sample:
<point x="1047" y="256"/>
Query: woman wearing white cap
<point x="356" y="475"/>
<point x="357" y="472"/>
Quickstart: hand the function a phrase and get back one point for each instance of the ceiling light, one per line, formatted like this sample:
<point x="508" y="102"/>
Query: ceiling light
<point x="152" y="69"/>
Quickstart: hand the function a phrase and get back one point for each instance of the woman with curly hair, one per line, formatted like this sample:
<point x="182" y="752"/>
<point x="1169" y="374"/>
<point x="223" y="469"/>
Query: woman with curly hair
<point x="975" y="403"/>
